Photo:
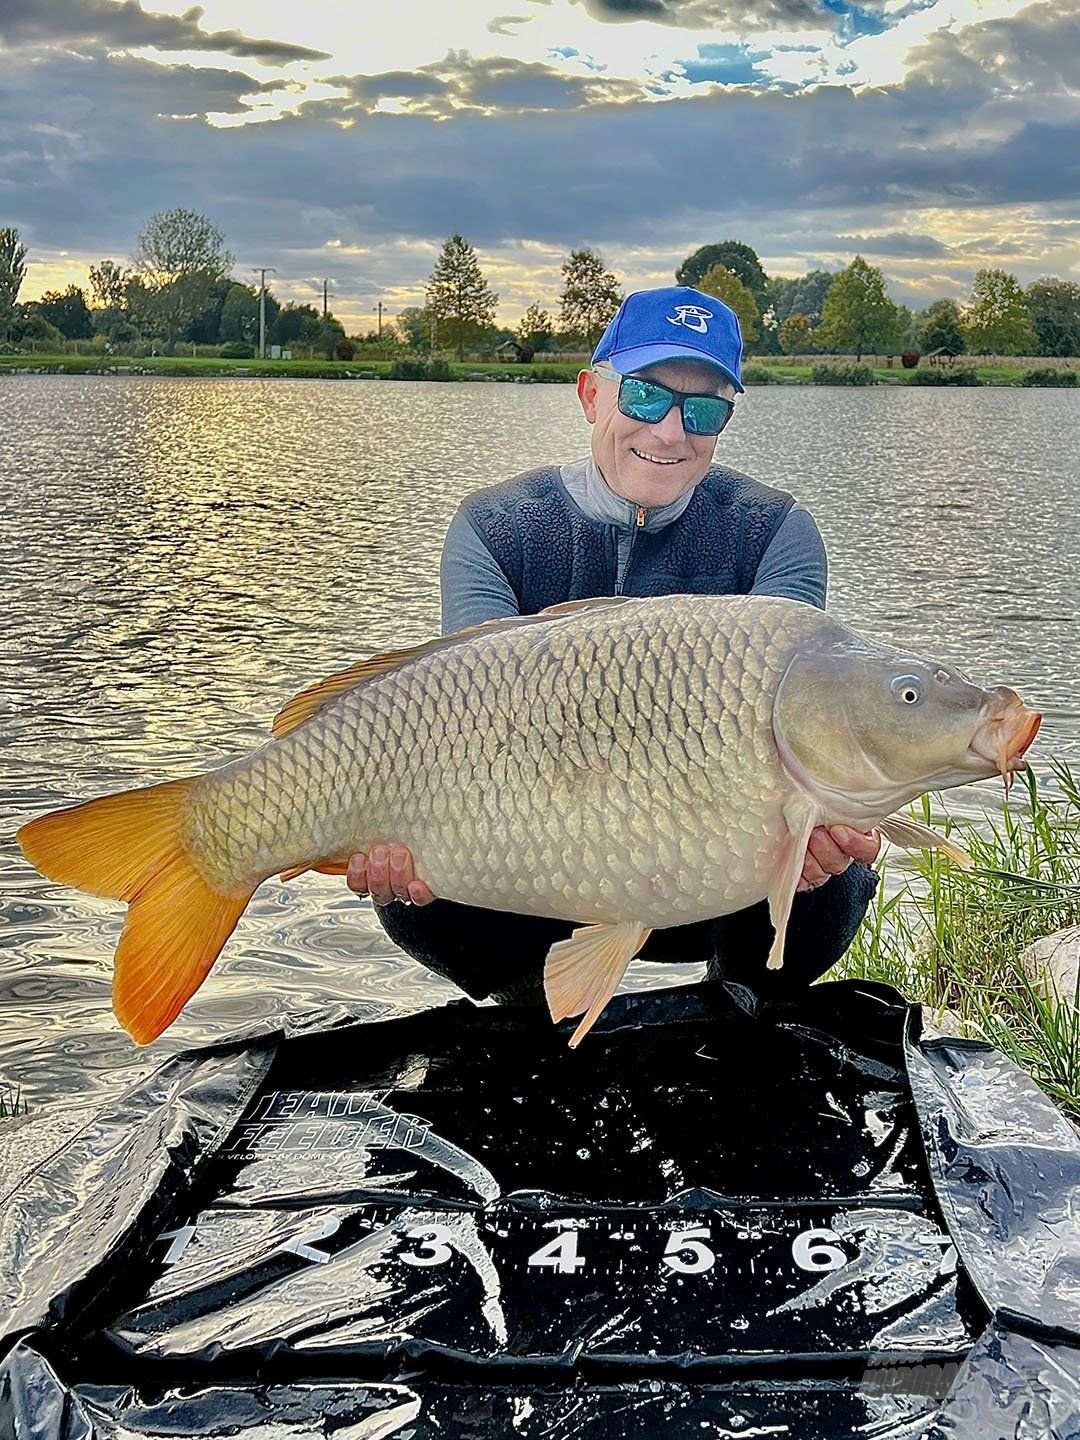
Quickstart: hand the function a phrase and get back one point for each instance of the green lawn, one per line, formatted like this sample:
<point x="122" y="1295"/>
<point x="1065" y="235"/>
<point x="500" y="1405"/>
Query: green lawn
<point x="541" y="371"/>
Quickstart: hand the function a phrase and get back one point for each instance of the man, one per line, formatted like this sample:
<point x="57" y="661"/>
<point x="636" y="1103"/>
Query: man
<point x="645" y="513"/>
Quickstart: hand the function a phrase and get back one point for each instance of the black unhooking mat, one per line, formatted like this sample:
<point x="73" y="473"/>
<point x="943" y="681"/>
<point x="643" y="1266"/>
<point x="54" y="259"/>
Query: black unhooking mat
<point x="704" y="1222"/>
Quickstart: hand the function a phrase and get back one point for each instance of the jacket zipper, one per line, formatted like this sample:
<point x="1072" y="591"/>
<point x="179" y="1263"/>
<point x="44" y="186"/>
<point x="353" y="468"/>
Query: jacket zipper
<point x="639" y="523"/>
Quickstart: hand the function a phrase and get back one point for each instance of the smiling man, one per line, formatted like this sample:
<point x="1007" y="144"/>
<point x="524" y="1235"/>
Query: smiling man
<point x="646" y="512"/>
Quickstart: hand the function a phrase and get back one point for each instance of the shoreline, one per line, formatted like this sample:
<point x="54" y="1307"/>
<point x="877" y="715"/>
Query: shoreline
<point x="535" y="373"/>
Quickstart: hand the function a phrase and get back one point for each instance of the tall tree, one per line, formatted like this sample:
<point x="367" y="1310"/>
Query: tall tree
<point x="536" y="330"/>
<point x="726" y="286"/>
<point x="795" y="334"/>
<point x="68" y="311"/>
<point x="799" y="295"/>
<point x="459" y="297"/>
<point x="240" y="315"/>
<point x="996" y="319"/>
<point x="179" y="256"/>
<point x="857" y="314"/>
<point x="12" y="274"/>
<point x="1054" y="307"/>
<point x="590" y="296"/>
<point x="413" y="326"/>
<point x="740" y="259"/>
<point x="108" y="285"/>
<point x="941" y="328"/>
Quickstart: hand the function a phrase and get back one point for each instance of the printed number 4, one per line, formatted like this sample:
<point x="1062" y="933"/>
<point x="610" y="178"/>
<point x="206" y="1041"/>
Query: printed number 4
<point x="686" y="1253"/>
<point x="559" y="1254"/>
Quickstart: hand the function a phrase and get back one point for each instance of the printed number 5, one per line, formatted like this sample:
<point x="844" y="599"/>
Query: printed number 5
<point x="434" y="1247"/>
<point x="700" y="1257"/>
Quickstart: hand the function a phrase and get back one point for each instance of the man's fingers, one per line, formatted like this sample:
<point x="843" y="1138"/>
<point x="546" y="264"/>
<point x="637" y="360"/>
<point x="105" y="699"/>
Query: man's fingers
<point x="379" y="875"/>
<point x="828" y="854"/>
<point x="861" y="846"/>
<point x="420" y="894"/>
<point x="401" y="872"/>
<point x="356" y="877"/>
<point x="812" y="874"/>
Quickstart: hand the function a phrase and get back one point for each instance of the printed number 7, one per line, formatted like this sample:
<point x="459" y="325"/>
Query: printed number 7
<point x="683" y="1242"/>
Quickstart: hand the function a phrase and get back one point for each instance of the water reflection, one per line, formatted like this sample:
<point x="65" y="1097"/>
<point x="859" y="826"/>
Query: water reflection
<point x="183" y="556"/>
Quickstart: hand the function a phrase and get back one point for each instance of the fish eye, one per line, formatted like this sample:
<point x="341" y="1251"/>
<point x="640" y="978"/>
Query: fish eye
<point x="907" y="689"/>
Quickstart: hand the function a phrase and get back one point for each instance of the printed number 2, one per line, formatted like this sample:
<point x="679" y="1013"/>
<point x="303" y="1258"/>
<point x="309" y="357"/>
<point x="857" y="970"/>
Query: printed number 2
<point x="686" y="1253"/>
<point x="434" y="1246"/>
<point x="559" y="1254"/>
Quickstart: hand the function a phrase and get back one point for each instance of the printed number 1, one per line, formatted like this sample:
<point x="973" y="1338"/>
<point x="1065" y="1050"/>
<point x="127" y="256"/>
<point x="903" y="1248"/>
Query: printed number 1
<point x="559" y="1254"/>
<point x="686" y="1253"/>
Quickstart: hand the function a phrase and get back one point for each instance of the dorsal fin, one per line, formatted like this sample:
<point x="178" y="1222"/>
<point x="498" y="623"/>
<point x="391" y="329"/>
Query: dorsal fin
<point x="310" y="701"/>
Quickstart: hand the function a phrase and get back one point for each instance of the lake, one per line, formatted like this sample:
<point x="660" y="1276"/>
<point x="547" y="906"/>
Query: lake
<point x="181" y="556"/>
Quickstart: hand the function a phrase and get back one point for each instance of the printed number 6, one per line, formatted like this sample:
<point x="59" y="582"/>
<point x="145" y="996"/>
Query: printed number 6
<point x="434" y="1241"/>
<point x="810" y="1251"/>
<point x="679" y="1241"/>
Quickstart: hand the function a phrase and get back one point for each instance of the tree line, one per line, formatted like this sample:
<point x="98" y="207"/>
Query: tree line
<point x="178" y="287"/>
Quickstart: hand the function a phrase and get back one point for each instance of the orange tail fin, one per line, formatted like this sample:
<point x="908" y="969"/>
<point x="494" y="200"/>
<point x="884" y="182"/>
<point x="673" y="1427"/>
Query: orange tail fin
<point x="129" y="847"/>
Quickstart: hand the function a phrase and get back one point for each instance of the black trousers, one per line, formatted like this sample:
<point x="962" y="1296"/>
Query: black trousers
<point x="493" y="952"/>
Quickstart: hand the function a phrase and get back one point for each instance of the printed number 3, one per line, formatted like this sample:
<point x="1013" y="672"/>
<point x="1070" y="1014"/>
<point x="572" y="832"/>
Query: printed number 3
<point x="434" y="1246"/>
<point x="686" y="1253"/>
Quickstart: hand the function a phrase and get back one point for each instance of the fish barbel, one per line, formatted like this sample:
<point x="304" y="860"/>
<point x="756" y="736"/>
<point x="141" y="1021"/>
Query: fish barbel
<point x="624" y="763"/>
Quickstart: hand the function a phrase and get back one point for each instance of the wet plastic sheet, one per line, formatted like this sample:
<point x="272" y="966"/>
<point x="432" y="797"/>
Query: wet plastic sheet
<point x="703" y="1221"/>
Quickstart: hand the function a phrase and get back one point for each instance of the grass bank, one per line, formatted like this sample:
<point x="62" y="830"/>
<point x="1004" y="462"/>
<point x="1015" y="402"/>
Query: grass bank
<point x="769" y="371"/>
<point x="952" y="939"/>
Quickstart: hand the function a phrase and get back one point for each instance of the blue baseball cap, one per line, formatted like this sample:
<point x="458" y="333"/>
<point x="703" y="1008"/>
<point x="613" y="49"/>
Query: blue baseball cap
<point x="674" y="323"/>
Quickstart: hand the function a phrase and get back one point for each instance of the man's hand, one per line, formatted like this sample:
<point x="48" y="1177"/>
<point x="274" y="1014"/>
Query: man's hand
<point x="387" y="874"/>
<point x="831" y="850"/>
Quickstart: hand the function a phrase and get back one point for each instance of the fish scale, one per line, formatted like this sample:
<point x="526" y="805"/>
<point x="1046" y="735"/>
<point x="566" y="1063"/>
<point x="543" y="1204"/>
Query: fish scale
<point x="585" y="768"/>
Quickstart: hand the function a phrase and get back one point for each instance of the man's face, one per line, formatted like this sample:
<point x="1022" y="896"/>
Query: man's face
<point x="650" y="464"/>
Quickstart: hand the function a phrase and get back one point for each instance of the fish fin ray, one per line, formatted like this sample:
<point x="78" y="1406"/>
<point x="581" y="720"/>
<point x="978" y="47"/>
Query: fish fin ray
<point x="130" y="847"/>
<point x="310" y="701"/>
<point x="801" y="820"/>
<point x="911" y="835"/>
<point x="582" y="973"/>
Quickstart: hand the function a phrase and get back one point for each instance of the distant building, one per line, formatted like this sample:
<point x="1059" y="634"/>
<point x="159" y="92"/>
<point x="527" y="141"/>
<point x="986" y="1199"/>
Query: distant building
<point x="942" y="355"/>
<point x="513" y="350"/>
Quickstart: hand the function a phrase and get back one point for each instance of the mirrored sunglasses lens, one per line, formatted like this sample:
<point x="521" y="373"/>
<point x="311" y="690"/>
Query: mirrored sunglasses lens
<point x="706" y="414"/>
<point x="639" y="400"/>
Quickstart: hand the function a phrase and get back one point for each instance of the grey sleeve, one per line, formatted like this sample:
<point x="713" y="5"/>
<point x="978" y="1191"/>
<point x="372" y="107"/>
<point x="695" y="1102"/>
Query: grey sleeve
<point x="474" y="589"/>
<point x="794" y="564"/>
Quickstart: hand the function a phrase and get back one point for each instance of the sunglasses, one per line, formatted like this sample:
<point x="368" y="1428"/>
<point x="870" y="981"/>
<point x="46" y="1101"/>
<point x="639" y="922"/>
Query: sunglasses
<point x="648" y="402"/>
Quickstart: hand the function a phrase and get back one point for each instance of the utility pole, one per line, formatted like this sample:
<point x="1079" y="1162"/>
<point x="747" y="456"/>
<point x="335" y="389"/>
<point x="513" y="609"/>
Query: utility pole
<point x="325" y="283"/>
<point x="262" y="274"/>
<point x="380" y="322"/>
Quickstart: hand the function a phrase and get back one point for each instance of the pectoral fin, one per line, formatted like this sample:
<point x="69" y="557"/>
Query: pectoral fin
<point x="902" y="830"/>
<point x="801" y="819"/>
<point x="581" y="974"/>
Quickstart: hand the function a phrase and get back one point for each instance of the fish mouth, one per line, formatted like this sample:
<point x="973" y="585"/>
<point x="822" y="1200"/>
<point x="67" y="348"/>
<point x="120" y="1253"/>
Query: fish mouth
<point x="1005" y="734"/>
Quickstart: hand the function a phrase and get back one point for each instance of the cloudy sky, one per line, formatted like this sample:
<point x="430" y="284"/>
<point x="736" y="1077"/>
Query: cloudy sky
<point x="346" y="139"/>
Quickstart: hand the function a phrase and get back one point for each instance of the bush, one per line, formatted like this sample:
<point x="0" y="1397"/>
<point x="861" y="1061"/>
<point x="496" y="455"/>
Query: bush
<point x="758" y="375"/>
<point x="345" y="350"/>
<point x="944" y="375"/>
<point x="237" y="350"/>
<point x="909" y="359"/>
<point x="417" y="369"/>
<point x="1048" y="375"/>
<point x="842" y="375"/>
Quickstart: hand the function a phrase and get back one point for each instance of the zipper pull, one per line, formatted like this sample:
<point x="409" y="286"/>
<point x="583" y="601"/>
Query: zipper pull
<point x="640" y="516"/>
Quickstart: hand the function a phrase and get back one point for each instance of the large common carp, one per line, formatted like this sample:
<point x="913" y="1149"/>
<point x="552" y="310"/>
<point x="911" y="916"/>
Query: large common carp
<point x="626" y="763"/>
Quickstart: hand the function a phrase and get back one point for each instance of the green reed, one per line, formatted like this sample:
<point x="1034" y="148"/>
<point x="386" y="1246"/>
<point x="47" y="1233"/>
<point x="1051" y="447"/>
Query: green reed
<point x="951" y="939"/>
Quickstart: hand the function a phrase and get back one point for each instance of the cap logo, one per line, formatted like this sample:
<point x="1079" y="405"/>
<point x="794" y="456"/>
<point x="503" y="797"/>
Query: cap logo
<point x="692" y="316"/>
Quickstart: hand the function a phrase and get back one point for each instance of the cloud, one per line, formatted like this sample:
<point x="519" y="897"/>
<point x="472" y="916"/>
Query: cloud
<point x="1036" y="50"/>
<point x="740" y="16"/>
<point x="500" y="24"/>
<point x="460" y="83"/>
<point x="124" y="24"/>
<point x="900" y="244"/>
